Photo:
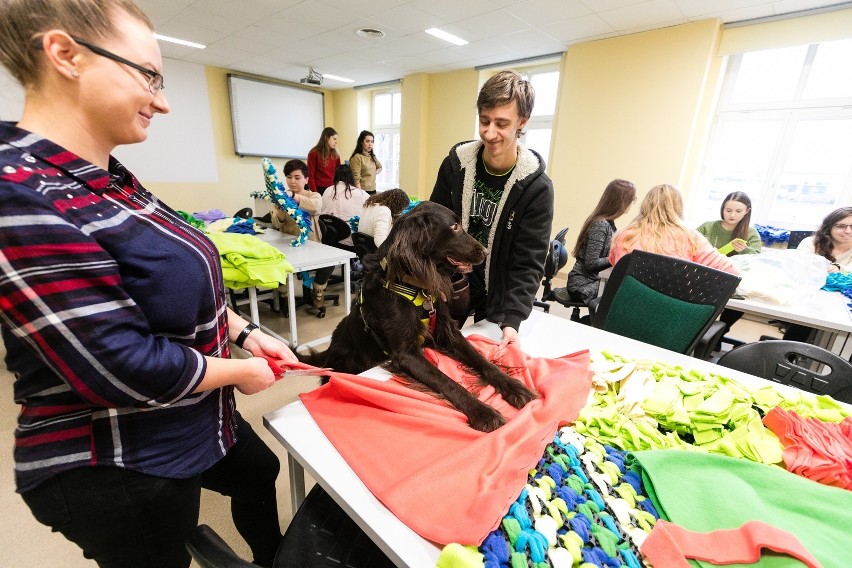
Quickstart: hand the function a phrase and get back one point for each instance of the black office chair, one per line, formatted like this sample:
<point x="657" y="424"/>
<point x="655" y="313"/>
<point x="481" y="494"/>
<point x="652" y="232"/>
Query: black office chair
<point x="364" y="244"/>
<point x="782" y="361"/>
<point x="557" y="258"/>
<point x="796" y="237"/>
<point x="321" y="535"/>
<point x="665" y="301"/>
<point x="244" y="213"/>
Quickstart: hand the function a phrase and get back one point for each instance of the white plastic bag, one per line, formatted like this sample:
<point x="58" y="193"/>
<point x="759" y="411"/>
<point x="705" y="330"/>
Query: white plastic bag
<point x="777" y="276"/>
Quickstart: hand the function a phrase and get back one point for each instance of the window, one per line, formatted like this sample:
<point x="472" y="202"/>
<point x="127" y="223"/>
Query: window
<point x="545" y="81"/>
<point x="387" y="108"/>
<point x="782" y="134"/>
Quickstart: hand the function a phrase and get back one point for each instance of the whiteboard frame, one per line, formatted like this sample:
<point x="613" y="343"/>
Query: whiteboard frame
<point x="271" y="154"/>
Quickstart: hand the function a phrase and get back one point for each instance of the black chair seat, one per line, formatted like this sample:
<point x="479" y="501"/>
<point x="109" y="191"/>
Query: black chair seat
<point x="321" y="535"/>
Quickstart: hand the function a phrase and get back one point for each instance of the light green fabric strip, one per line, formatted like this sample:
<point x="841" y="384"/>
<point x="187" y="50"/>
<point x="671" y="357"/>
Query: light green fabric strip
<point x="705" y="492"/>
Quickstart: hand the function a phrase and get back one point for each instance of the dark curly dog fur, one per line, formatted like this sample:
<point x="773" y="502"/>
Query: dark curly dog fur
<point x="423" y="251"/>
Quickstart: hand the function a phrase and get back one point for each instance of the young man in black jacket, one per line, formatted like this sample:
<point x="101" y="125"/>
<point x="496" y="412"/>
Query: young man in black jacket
<point x="505" y="200"/>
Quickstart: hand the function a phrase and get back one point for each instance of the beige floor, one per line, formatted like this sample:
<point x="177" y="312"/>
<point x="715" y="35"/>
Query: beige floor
<point x="24" y="543"/>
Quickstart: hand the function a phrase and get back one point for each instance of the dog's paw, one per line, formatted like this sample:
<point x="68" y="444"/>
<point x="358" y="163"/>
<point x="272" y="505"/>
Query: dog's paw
<point x="485" y="419"/>
<point x="517" y="394"/>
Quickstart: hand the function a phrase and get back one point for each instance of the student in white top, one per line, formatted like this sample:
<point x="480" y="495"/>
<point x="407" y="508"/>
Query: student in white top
<point x="343" y="199"/>
<point x="380" y="211"/>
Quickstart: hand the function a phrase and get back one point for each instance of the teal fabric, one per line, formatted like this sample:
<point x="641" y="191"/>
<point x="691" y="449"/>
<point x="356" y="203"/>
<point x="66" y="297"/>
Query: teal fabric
<point x="641" y="313"/>
<point x="705" y="492"/>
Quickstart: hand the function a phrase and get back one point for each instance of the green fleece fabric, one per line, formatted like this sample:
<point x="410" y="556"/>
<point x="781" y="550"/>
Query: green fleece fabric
<point x="705" y="492"/>
<point x="249" y="261"/>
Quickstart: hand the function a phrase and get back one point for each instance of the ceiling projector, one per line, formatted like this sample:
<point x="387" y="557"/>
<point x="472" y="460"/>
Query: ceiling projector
<point x="312" y="78"/>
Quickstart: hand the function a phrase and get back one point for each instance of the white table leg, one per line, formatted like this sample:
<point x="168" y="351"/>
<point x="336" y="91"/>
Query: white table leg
<point x="347" y="293"/>
<point x="297" y="483"/>
<point x="291" y="303"/>
<point x="255" y="314"/>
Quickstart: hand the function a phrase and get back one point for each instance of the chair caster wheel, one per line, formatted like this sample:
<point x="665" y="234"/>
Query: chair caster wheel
<point x="321" y="313"/>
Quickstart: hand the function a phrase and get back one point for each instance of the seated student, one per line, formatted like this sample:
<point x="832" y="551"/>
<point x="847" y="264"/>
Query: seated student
<point x="832" y="241"/>
<point x="380" y="211"/>
<point x="343" y="199"/>
<point x="592" y="248"/>
<point x="659" y="228"/>
<point x="734" y="229"/>
<point x="296" y="173"/>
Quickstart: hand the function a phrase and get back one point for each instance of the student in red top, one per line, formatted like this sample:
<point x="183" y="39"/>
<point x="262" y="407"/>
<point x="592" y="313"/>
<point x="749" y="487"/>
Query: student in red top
<point x="323" y="160"/>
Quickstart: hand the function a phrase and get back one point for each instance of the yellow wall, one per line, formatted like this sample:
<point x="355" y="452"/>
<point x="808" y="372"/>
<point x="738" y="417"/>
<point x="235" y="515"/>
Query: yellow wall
<point x="238" y="176"/>
<point x="438" y="110"/>
<point x="627" y="109"/>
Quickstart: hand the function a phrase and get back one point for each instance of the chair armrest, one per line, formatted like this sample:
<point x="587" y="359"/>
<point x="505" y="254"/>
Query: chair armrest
<point x="708" y="341"/>
<point x="593" y="305"/>
<point x="209" y="550"/>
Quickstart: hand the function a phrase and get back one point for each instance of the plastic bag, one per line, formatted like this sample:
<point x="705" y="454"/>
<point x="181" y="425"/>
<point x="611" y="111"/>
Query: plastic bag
<point x="778" y="276"/>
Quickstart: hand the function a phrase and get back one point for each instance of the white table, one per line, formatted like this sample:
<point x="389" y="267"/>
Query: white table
<point x="308" y="256"/>
<point x="542" y="335"/>
<point x="824" y="311"/>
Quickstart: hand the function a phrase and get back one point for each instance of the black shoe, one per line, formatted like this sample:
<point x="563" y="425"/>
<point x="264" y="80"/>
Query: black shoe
<point x="561" y="295"/>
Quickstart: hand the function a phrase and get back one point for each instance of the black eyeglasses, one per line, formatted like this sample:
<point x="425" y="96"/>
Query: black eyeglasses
<point x="155" y="80"/>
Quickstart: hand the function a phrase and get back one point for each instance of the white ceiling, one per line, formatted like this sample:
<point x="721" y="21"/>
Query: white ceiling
<point x="282" y="38"/>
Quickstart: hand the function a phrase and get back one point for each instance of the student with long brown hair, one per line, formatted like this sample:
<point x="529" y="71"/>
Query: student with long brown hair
<point x="323" y="160"/>
<point x="364" y="163"/>
<point x="734" y="226"/>
<point x="592" y="248"/>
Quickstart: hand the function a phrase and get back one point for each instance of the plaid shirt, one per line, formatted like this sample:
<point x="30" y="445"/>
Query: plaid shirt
<point x="108" y="302"/>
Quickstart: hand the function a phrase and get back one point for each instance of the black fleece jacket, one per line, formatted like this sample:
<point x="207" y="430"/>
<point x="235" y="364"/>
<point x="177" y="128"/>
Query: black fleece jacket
<point x="519" y="239"/>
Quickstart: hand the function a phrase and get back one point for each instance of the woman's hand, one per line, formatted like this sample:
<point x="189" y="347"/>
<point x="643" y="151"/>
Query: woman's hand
<point x="261" y="345"/>
<point x="257" y="376"/>
<point x="739" y="245"/>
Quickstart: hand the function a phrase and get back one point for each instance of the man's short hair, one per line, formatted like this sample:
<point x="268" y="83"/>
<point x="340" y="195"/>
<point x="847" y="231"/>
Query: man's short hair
<point x="502" y="89"/>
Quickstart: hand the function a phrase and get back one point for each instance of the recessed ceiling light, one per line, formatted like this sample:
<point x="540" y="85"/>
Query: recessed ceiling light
<point x="441" y="34"/>
<point x="371" y="33"/>
<point x="336" y="78"/>
<point x="179" y="41"/>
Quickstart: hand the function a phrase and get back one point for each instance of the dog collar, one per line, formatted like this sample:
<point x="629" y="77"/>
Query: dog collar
<point x="423" y="302"/>
<point x="417" y="296"/>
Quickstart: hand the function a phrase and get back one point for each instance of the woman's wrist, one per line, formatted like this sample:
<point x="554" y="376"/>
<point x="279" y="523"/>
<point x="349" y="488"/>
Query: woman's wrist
<point x="243" y="335"/>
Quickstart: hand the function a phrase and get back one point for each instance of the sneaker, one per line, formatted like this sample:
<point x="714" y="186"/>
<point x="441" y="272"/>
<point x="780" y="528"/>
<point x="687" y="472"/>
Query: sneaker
<point x="561" y="295"/>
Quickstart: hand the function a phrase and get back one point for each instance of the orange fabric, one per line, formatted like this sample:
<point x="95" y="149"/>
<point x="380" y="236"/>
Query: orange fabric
<point x="669" y="545"/>
<point x="818" y="450"/>
<point x="418" y="455"/>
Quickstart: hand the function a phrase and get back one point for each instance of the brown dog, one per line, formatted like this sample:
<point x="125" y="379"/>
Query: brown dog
<point x="402" y="307"/>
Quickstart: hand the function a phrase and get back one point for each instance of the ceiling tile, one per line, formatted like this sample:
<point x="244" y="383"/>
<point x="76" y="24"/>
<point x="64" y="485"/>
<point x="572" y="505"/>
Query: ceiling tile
<point x="543" y="12"/>
<point x="571" y="31"/>
<point x="639" y="16"/>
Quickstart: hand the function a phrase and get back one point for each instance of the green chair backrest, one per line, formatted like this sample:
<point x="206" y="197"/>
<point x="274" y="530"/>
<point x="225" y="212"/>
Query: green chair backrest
<point x="640" y="312"/>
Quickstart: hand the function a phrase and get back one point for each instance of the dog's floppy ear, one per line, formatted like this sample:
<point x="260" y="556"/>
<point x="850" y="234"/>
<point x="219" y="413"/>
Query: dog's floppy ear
<point x="408" y="253"/>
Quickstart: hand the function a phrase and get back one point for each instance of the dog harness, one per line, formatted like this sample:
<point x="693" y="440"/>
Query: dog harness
<point x="424" y="303"/>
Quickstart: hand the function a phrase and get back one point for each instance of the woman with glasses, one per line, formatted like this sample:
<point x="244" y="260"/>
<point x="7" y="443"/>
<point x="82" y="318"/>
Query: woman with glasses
<point x="833" y="240"/>
<point x="113" y="308"/>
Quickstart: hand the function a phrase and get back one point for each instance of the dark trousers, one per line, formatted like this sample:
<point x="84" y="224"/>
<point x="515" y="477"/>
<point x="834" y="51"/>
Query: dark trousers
<point x="125" y="519"/>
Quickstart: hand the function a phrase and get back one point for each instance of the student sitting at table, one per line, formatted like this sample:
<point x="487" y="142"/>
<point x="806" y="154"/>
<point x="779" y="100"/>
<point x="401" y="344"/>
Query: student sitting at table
<point x="734" y="231"/>
<point x="380" y="211"/>
<point x="344" y="200"/>
<point x="592" y="248"/>
<point x="832" y="241"/>
<point x="659" y="228"/>
<point x="296" y="173"/>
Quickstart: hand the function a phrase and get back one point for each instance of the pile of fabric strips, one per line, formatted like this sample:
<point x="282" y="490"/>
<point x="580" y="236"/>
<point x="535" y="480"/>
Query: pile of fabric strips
<point x="602" y="486"/>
